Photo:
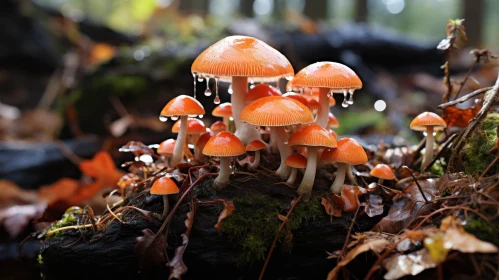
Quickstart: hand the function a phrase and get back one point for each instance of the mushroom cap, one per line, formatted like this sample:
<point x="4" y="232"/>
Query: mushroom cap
<point x="426" y="119"/>
<point x="218" y="126"/>
<point x="333" y="121"/>
<point x="335" y="76"/>
<point x="314" y="105"/>
<point x="164" y="186"/>
<point x="224" y="144"/>
<point x="203" y="139"/>
<point x="296" y="161"/>
<point x="312" y="135"/>
<point x="223" y="110"/>
<point x="256" y="145"/>
<point x="276" y="111"/>
<point x="182" y="105"/>
<point x="298" y="97"/>
<point x="348" y="150"/>
<point x="259" y="91"/>
<point x="166" y="147"/>
<point x="382" y="171"/>
<point x="194" y="126"/>
<point x="242" y="56"/>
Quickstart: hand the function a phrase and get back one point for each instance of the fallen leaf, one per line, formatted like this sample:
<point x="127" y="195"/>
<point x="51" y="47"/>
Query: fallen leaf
<point x="150" y="254"/>
<point x="462" y="241"/>
<point x="229" y="208"/>
<point x="17" y="217"/>
<point x="177" y="265"/>
<point x="101" y="167"/>
<point x="373" y="205"/>
<point x="331" y="210"/>
<point x="455" y="117"/>
<point x="437" y="246"/>
<point x="398" y="265"/>
<point x="62" y="190"/>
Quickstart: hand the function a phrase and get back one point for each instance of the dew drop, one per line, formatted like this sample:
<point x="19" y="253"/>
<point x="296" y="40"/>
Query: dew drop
<point x="200" y="78"/>
<point x="252" y="86"/>
<point x="163" y="118"/>
<point x="230" y="91"/>
<point x="201" y="116"/>
<point x="216" y="100"/>
<point x="350" y="100"/>
<point x="174" y="118"/>
<point x="344" y="104"/>
<point x="207" y="92"/>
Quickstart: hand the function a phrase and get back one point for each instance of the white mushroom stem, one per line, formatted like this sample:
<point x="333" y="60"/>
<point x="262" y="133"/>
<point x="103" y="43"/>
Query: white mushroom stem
<point x="273" y="142"/>
<point x="292" y="177"/>
<point x="223" y="175"/>
<point x="428" y="154"/>
<point x="350" y="176"/>
<point x="227" y="123"/>
<point x="308" y="178"/>
<point x="254" y="165"/>
<point x="282" y="142"/>
<point x="323" y="115"/>
<point x="178" y="150"/>
<point x="244" y="131"/>
<point x="166" y="207"/>
<point x="340" y="178"/>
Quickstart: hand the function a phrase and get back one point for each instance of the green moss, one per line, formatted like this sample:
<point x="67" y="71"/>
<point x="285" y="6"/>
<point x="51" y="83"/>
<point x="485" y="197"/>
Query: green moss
<point x="40" y="259"/>
<point x="438" y="168"/>
<point x="254" y="224"/>
<point x="68" y="219"/>
<point x="482" y="230"/>
<point x="476" y="156"/>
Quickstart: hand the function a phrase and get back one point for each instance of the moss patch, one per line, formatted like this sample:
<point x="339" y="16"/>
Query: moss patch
<point x="482" y="230"/>
<point x="254" y="224"/>
<point x="68" y="219"/>
<point x="476" y="154"/>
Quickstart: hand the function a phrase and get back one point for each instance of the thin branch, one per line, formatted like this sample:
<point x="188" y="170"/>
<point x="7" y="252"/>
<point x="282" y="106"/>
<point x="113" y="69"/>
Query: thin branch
<point x="465" y="97"/>
<point x="417" y="183"/>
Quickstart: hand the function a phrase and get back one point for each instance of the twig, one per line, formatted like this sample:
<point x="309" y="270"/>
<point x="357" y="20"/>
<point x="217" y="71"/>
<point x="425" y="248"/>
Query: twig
<point x="477" y="59"/>
<point x="417" y="183"/>
<point x="342" y="252"/>
<point x="465" y="97"/>
<point x="274" y="244"/>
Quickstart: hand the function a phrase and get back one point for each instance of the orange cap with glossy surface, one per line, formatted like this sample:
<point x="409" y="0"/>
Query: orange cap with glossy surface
<point x="296" y="161"/>
<point x="164" y="186"/>
<point x="276" y="111"/>
<point x="259" y="91"/>
<point x="256" y="145"/>
<point x="224" y="144"/>
<point x="298" y="97"/>
<point x="166" y="147"/>
<point x="382" y="171"/>
<point x="223" y="110"/>
<point x="312" y="135"/>
<point x="333" y="121"/>
<point x="327" y="75"/>
<point x="194" y="126"/>
<point x="242" y="56"/>
<point x="314" y="105"/>
<point x="203" y="139"/>
<point x="348" y="150"/>
<point x="218" y="126"/>
<point x="182" y="105"/>
<point x="426" y="119"/>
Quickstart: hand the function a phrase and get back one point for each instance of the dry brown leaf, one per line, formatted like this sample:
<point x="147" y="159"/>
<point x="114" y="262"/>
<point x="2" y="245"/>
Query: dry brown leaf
<point x="398" y="265"/>
<point x="150" y="254"/>
<point x="331" y="210"/>
<point x="62" y="190"/>
<point x="229" y="208"/>
<point x="17" y="217"/>
<point x="373" y="205"/>
<point x="455" y="117"/>
<point x="102" y="168"/>
<point x="177" y="265"/>
<point x="462" y="241"/>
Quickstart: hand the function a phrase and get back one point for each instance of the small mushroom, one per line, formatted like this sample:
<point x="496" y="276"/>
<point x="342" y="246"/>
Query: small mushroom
<point x="164" y="186"/>
<point x="429" y="122"/>
<point x="181" y="107"/>
<point x="165" y="148"/>
<point x="295" y="161"/>
<point x="348" y="152"/>
<point x="382" y="172"/>
<point x="217" y="127"/>
<point x="223" y="111"/>
<point x="255" y="146"/>
<point x="332" y="121"/>
<point x="224" y="145"/>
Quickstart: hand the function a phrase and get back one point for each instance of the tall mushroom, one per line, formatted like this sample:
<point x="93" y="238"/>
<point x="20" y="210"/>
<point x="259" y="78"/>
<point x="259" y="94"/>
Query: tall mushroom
<point x="237" y="59"/>
<point x="295" y="161"/>
<point x="313" y="137"/>
<point x="428" y="122"/>
<point x="181" y="107"/>
<point x="223" y="111"/>
<point x="348" y="152"/>
<point x="382" y="172"/>
<point x="164" y="186"/>
<point x="277" y="112"/>
<point x="255" y="146"/>
<point x="328" y="77"/>
<point x="224" y="145"/>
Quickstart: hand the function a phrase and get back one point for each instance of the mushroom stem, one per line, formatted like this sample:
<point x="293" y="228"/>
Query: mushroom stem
<point x="340" y="178"/>
<point x="273" y="142"/>
<point x="223" y="175"/>
<point x="227" y="124"/>
<point x="254" y="165"/>
<point x="198" y="154"/>
<point x="283" y="171"/>
<point x="323" y="115"/>
<point x="178" y="150"/>
<point x="292" y="177"/>
<point x="166" y="207"/>
<point x="307" y="182"/>
<point x="350" y="176"/>
<point x="380" y="181"/>
<point x="428" y="154"/>
<point x="244" y="131"/>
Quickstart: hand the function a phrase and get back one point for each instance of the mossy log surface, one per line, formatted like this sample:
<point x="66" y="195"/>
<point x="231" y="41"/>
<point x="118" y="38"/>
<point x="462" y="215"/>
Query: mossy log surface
<point x="237" y="251"/>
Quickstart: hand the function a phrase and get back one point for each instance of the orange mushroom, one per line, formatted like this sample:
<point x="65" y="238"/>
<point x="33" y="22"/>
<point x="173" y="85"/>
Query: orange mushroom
<point x="259" y="91"/>
<point x="199" y="145"/>
<point x="217" y="127"/>
<point x="255" y="146"/>
<point x="348" y="152"/>
<point x="428" y="122"/>
<point x="313" y="137"/>
<point x="277" y="112"/>
<point x="328" y="77"/>
<point x="195" y="127"/>
<point x="237" y="58"/>
<point x="164" y="186"/>
<point x="332" y="121"/>
<point x="224" y="145"/>
<point x="181" y="106"/>
<point x="382" y="172"/>
<point x="295" y="161"/>
<point x="166" y="147"/>
<point x="223" y="111"/>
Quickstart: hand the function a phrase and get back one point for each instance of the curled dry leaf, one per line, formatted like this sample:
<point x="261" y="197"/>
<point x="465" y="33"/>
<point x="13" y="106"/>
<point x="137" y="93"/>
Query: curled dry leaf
<point x="373" y="205"/>
<point x="398" y="265"/>
<point x="462" y="241"/>
<point x="455" y="117"/>
<point x="331" y="210"/>
<point x="229" y="208"/>
<point x="150" y="254"/>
